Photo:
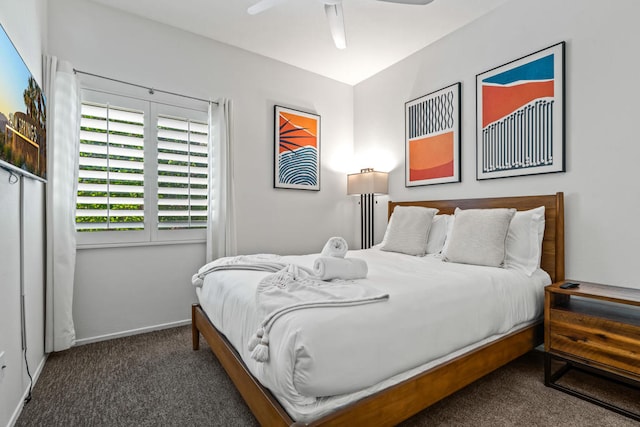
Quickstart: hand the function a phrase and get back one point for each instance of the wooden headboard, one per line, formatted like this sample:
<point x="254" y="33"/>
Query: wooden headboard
<point x="553" y="244"/>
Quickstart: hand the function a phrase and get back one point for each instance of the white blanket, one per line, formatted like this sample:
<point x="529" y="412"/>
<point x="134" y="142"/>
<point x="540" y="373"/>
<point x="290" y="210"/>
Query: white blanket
<point x="293" y="289"/>
<point x="434" y="309"/>
<point x="259" y="262"/>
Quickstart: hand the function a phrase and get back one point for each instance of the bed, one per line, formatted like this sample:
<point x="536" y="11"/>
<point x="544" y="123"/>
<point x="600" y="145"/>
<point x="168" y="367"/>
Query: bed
<point x="393" y="402"/>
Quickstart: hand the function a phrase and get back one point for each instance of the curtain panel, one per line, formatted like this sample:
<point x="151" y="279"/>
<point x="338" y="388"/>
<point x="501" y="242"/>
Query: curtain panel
<point x="221" y="227"/>
<point x="63" y="129"/>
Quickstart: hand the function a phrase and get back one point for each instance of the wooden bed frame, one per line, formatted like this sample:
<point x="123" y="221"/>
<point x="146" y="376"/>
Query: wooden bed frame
<point x="399" y="402"/>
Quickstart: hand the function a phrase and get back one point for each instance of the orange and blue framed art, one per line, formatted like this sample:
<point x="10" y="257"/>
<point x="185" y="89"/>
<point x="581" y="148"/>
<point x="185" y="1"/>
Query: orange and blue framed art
<point x="520" y="116"/>
<point x="432" y="144"/>
<point x="297" y="149"/>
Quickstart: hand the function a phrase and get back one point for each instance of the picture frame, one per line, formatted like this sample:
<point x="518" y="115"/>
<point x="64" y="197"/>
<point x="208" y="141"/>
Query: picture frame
<point x="23" y="112"/>
<point x="520" y="116"/>
<point x="296" y="149"/>
<point x="432" y="138"/>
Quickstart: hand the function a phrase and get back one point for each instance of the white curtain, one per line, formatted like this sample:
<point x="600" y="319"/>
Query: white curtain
<point x="221" y="228"/>
<point x="63" y="138"/>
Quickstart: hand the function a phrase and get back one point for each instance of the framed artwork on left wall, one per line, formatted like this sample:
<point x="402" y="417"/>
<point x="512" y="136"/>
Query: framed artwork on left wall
<point x="432" y="141"/>
<point x="296" y="149"/>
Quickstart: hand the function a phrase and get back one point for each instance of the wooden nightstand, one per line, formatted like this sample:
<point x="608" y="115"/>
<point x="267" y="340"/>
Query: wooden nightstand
<point x="594" y="328"/>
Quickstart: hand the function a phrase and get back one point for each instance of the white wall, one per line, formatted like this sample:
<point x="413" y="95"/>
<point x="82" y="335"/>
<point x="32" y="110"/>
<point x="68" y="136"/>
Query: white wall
<point x="602" y="196"/>
<point x="111" y="282"/>
<point x="10" y="338"/>
<point x="24" y="22"/>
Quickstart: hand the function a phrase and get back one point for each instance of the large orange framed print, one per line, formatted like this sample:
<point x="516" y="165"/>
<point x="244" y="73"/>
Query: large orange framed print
<point x="520" y="116"/>
<point x="432" y="146"/>
<point x="297" y="149"/>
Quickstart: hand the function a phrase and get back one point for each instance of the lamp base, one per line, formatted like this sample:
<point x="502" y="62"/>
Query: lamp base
<point x="366" y="220"/>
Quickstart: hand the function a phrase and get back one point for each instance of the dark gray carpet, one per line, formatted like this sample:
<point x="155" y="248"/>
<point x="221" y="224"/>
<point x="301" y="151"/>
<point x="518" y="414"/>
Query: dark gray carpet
<point x="156" y="379"/>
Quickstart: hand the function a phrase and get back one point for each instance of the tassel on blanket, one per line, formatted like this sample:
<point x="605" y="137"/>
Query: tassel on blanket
<point x="261" y="352"/>
<point x="328" y="268"/>
<point x="259" y="346"/>
<point x="255" y="340"/>
<point x="197" y="281"/>
<point x="335" y="247"/>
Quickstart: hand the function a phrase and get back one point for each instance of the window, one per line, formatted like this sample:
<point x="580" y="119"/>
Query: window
<point x="143" y="171"/>
<point x="182" y="173"/>
<point x="111" y="169"/>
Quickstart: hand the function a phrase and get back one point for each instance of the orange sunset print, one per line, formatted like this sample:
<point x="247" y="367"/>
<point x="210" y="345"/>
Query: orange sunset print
<point x="433" y="138"/>
<point x="297" y="159"/>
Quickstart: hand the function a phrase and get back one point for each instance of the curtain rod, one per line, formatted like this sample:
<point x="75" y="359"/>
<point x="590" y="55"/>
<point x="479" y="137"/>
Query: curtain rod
<point x="150" y="89"/>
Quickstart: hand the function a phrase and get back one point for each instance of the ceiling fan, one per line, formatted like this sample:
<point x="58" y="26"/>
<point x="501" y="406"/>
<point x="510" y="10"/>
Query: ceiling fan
<point x="333" y="10"/>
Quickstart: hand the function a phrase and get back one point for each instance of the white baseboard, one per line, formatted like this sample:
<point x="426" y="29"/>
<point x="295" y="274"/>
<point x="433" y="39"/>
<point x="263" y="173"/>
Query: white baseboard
<point x="35" y="376"/>
<point x="131" y="332"/>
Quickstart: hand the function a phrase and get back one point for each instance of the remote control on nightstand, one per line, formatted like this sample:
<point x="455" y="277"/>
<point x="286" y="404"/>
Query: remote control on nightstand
<point x="569" y="285"/>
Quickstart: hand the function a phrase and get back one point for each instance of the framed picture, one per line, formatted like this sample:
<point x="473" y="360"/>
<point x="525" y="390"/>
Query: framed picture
<point x="520" y="116"/>
<point x="23" y="112"/>
<point x="297" y="149"/>
<point x="432" y="142"/>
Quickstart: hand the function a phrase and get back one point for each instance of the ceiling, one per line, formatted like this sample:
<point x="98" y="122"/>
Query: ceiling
<point x="296" y="32"/>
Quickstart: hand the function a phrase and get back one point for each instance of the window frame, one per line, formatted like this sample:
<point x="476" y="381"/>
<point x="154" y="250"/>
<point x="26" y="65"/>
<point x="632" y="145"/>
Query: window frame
<point x="151" y="234"/>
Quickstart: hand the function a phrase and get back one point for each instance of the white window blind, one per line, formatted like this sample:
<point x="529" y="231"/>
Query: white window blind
<point x="111" y="174"/>
<point x="182" y="173"/>
<point x="143" y="170"/>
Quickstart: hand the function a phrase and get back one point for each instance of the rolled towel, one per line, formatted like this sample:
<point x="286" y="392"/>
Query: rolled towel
<point x="335" y="247"/>
<point x="327" y="268"/>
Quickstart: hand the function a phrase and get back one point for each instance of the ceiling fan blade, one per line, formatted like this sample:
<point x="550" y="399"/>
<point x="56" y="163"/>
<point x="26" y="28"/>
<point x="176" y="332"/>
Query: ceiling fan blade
<point x="419" y="2"/>
<point x="263" y="5"/>
<point x="336" y="24"/>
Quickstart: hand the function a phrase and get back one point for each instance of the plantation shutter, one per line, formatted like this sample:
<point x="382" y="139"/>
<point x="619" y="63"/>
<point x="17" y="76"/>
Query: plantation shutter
<point x="182" y="173"/>
<point x="111" y="169"/>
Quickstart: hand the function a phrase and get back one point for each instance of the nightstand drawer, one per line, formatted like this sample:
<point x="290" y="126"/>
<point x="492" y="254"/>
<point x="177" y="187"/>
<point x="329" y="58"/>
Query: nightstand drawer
<point x="606" y="342"/>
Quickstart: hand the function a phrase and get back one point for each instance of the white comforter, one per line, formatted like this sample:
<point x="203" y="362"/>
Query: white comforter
<point x="434" y="308"/>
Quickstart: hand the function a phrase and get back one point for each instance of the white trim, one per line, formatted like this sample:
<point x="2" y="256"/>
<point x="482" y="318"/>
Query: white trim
<point x="126" y="245"/>
<point x="131" y="332"/>
<point x="16" y="414"/>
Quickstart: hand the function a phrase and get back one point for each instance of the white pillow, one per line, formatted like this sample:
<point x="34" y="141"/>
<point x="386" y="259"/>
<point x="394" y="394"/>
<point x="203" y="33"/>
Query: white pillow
<point x="408" y="230"/>
<point x="524" y="241"/>
<point x="447" y="240"/>
<point x="478" y="236"/>
<point x="437" y="234"/>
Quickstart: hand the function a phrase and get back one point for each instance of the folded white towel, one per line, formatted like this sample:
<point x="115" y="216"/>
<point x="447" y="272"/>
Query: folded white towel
<point x="335" y="247"/>
<point x="327" y="268"/>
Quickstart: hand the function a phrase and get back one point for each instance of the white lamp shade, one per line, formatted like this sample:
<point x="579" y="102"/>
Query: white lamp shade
<point x="368" y="182"/>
